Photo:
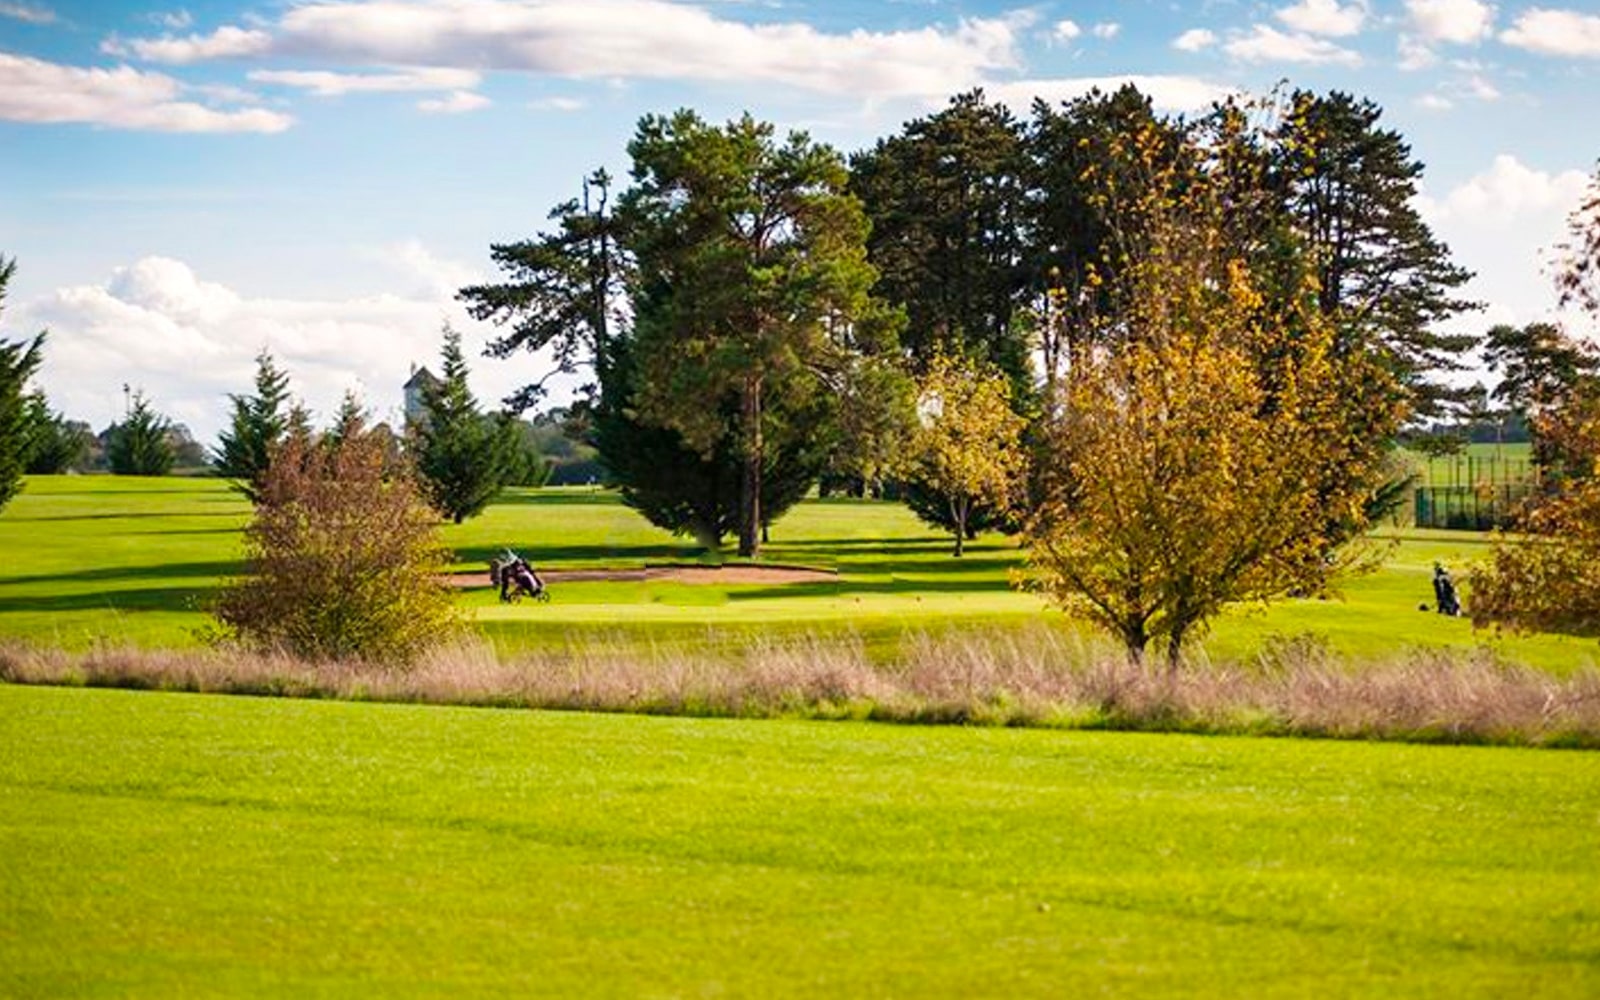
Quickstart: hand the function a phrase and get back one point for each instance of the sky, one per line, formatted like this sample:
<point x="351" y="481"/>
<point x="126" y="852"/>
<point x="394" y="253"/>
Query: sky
<point x="183" y="186"/>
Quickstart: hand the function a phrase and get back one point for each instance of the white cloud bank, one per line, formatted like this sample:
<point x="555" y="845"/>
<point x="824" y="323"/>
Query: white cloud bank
<point x="27" y="13"/>
<point x="1324" y="17"/>
<point x="323" y="83"/>
<point x="33" y="90"/>
<point x="157" y="325"/>
<point x="1460" y="22"/>
<point x="1556" y="33"/>
<point x="1265" y="43"/>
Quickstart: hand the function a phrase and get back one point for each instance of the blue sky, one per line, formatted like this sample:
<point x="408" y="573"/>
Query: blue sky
<point x="184" y="184"/>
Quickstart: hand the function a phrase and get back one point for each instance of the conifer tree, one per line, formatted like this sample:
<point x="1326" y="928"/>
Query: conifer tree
<point x="18" y="362"/>
<point x="257" y="426"/>
<point x="140" y="445"/>
<point x="463" y="456"/>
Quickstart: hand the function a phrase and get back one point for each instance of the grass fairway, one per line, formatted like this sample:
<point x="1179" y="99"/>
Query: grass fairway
<point x="165" y="845"/>
<point x="109" y="559"/>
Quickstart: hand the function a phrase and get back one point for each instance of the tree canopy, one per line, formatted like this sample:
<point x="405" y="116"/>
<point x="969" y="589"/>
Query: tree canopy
<point x="464" y="456"/>
<point x="257" y="426"/>
<point x="18" y="362"/>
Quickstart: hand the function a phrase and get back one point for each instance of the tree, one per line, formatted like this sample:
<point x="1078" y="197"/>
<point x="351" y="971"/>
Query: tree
<point x="342" y="558"/>
<point x="1210" y="446"/>
<point x="1542" y="369"/>
<point x="1383" y="278"/>
<point x="139" y="446"/>
<point x="947" y="200"/>
<point x="752" y="280"/>
<point x="968" y="451"/>
<point x="18" y="362"/>
<point x="55" y="444"/>
<point x="463" y="456"/>
<point x="1578" y="264"/>
<point x="565" y="289"/>
<point x="257" y="426"/>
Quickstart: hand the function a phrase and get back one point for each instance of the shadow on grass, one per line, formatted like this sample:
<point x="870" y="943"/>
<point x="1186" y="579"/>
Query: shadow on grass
<point x="110" y="574"/>
<point x="552" y="555"/>
<point x="128" y="515"/>
<point x="144" y="599"/>
<point x="540" y="498"/>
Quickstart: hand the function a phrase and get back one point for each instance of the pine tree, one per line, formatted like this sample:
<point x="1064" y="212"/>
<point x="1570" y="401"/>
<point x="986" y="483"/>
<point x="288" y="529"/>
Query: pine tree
<point x="55" y="443"/>
<point x="139" y="445"/>
<point x="18" y="362"/>
<point x="257" y="426"/>
<point x="463" y="456"/>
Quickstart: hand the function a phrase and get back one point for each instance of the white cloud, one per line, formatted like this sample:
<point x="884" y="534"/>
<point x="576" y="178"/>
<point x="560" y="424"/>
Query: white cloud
<point x="1194" y="40"/>
<point x="32" y="90"/>
<point x="459" y="102"/>
<point x="1168" y="93"/>
<point x="1481" y="88"/>
<point x="323" y="83"/>
<point x="1324" y="17"/>
<point x="224" y="43"/>
<point x="623" y="39"/>
<point x="1461" y="22"/>
<point x="189" y="342"/>
<point x="1434" y="102"/>
<point x="557" y="104"/>
<point x="1414" y="55"/>
<point x="1506" y="191"/>
<point x="174" y="20"/>
<point x="1556" y="33"/>
<point x="1267" y="44"/>
<point x="1106" y="30"/>
<point x="1065" y="31"/>
<point x="27" y="13"/>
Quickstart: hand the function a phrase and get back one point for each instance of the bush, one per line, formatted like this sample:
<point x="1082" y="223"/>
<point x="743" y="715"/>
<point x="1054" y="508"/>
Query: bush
<point x="343" y="555"/>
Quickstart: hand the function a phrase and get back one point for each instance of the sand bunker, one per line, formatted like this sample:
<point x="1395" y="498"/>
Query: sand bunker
<point x="672" y="574"/>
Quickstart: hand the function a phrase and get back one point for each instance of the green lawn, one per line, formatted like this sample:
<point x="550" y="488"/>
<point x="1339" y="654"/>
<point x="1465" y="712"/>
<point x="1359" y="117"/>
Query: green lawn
<point x="87" y="559"/>
<point x="167" y="845"/>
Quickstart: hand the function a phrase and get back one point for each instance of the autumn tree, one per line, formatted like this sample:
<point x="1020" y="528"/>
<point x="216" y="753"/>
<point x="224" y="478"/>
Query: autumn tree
<point x="464" y="456"/>
<point x="752" y="280"/>
<point x="968" y="451"/>
<point x="140" y="445"/>
<point x="1210" y="445"/>
<point x="341" y="557"/>
<point x="18" y="362"/>
<point x="256" y="426"/>
<point x="1542" y="370"/>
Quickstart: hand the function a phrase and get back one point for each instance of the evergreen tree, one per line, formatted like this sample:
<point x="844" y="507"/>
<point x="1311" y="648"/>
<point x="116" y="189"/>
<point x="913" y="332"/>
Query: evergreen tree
<point x="1383" y="278"/>
<point x="947" y="200"/>
<point x="257" y="427"/>
<point x="463" y="456"/>
<point x="56" y="444"/>
<point x="18" y="362"/>
<point x="139" y="446"/>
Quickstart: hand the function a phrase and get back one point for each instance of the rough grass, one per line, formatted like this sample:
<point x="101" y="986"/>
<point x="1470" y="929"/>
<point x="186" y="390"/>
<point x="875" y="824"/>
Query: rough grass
<point x="1040" y="678"/>
<point x="161" y="845"/>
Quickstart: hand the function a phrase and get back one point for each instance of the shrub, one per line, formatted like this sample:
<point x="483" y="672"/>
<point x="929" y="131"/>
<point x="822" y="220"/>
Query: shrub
<point x="342" y="555"/>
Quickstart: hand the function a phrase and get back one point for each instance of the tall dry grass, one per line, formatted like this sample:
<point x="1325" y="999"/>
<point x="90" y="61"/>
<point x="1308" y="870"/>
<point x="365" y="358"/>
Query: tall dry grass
<point x="1038" y="678"/>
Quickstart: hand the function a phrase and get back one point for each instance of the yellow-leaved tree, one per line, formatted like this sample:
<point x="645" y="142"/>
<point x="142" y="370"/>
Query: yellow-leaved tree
<point x="967" y="448"/>
<point x="1210" y="446"/>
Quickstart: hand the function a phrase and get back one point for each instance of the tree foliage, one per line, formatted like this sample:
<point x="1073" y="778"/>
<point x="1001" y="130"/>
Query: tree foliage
<point x="967" y="454"/>
<point x="55" y="444"/>
<point x="141" y="444"/>
<point x="1578" y="256"/>
<point x="342" y="557"/>
<point x="1212" y="446"/>
<point x="464" y="457"/>
<point x="18" y="362"/>
<point x="1543" y="372"/>
<point x="752" y="281"/>
<point x="257" y="426"/>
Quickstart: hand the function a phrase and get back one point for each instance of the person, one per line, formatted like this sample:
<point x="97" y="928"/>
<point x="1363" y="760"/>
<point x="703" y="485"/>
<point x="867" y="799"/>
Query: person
<point x="517" y="577"/>
<point x="1444" y="592"/>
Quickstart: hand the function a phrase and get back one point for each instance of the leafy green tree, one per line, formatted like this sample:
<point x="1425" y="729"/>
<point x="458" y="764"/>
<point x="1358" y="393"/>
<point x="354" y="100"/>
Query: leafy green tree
<point x="1578" y="256"/>
<point x="463" y="455"/>
<point x="257" y="426"/>
<point x="56" y="444"/>
<point x="1387" y="282"/>
<point x="140" y="445"/>
<point x="18" y="362"/>
<point x="1541" y="369"/>
<point x="752" y="279"/>
<point x="564" y="289"/>
<point x="947" y="199"/>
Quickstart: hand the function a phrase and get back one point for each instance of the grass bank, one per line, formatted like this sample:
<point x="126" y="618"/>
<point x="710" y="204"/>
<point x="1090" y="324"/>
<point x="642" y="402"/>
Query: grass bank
<point x="165" y="845"/>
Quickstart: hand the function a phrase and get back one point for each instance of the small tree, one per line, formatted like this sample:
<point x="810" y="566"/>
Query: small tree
<point x="56" y="444"/>
<point x="140" y="445"/>
<point x="968" y="452"/>
<point x="18" y="362"/>
<point x="464" y="457"/>
<point x="258" y="425"/>
<point x="342" y="557"/>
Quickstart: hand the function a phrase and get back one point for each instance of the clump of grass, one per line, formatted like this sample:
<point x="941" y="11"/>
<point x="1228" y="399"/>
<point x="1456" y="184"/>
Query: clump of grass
<point x="1041" y="678"/>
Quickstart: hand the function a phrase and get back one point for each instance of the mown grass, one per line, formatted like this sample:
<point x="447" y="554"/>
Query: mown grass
<point x="86" y="560"/>
<point x="164" y="845"/>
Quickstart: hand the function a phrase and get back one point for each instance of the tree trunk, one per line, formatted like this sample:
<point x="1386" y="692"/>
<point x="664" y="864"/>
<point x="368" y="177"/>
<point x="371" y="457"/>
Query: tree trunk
<point x="958" y="511"/>
<point x="750" y="483"/>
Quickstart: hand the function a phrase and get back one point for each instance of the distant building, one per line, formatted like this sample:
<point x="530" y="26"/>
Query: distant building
<point x="420" y="381"/>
